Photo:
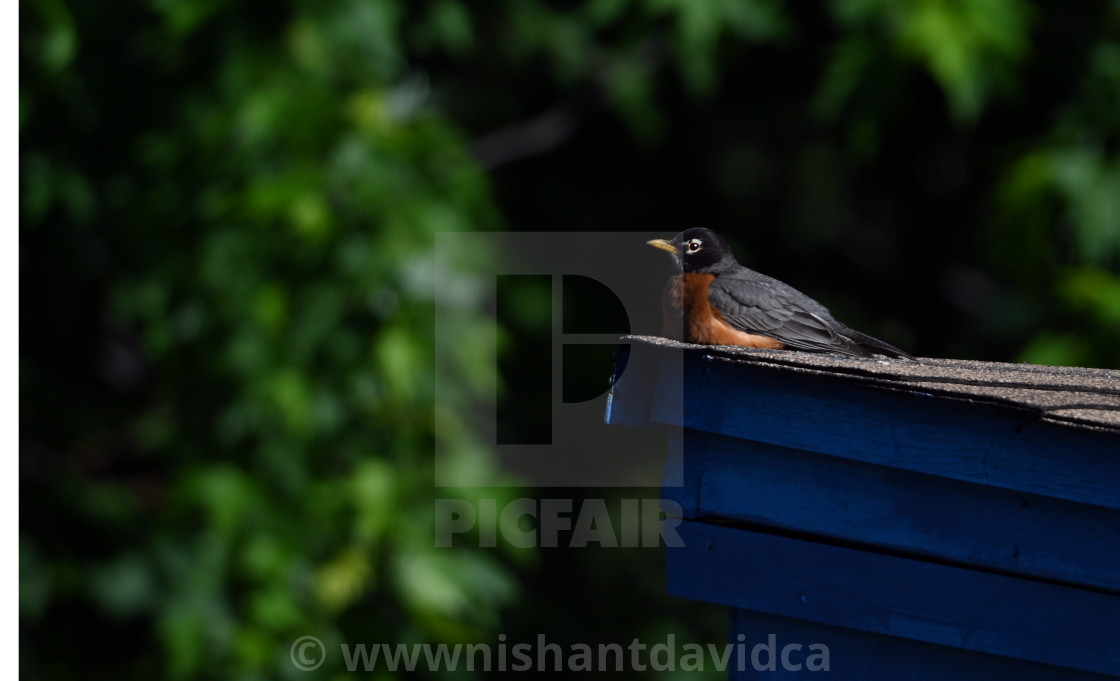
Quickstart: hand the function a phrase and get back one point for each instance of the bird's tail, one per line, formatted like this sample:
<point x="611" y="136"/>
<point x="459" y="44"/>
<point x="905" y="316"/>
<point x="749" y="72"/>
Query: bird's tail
<point x="875" y="345"/>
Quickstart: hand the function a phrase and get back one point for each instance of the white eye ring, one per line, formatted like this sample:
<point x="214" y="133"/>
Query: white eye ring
<point x="694" y="245"/>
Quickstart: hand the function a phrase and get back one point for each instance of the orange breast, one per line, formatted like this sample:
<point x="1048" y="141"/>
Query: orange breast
<point x="699" y="322"/>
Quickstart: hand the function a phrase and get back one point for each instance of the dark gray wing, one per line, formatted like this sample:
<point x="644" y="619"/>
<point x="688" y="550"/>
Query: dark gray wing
<point x="758" y="304"/>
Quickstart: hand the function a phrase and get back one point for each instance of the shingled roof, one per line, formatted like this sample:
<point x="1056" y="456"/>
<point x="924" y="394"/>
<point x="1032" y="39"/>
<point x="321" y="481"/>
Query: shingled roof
<point x="1081" y="397"/>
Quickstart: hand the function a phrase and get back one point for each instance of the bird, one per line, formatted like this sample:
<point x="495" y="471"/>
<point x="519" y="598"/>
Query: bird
<point x="720" y="302"/>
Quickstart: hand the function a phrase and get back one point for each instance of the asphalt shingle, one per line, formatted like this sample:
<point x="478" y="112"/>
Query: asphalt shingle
<point x="1076" y="396"/>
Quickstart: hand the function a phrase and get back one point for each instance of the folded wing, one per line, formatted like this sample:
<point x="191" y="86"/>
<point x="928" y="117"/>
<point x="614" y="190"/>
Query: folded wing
<point x="758" y="304"/>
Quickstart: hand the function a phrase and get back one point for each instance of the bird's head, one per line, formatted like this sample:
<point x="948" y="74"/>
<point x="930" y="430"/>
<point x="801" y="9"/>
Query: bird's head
<point x="697" y="250"/>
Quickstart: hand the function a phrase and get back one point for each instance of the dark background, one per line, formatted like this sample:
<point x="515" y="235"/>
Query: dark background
<point x="228" y="213"/>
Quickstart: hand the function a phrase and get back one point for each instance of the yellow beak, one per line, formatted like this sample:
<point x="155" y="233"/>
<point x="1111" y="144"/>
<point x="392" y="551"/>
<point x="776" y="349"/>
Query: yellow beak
<point x="663" y="245"/>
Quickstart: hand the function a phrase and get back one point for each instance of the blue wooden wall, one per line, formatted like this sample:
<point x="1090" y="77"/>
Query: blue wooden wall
<point x="918" y="537"/>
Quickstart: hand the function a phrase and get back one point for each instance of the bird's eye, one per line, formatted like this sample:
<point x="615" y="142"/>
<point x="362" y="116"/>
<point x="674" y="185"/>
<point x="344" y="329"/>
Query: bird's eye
<point x="693" y="245"/>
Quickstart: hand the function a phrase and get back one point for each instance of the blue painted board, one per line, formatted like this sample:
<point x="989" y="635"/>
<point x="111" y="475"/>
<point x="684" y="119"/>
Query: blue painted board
<point x="973" y="442"/>
<point x="898" y="511"/>
<point x="861" y="656"/>
<point x="641" y="370"/>
<point x="883" y="594"/>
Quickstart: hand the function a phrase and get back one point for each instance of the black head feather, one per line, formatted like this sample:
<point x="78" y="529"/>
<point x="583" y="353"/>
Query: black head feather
<point x="698" y="250"/>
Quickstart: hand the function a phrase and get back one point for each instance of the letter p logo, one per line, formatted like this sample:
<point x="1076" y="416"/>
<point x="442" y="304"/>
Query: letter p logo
<point x="612" y="269"/>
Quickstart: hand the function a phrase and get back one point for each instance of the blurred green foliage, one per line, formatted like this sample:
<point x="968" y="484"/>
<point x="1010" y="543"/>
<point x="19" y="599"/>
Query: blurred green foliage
<point x="228" y="214"/>
<point x="254" y="204"/>
<point x="971" y="47"/>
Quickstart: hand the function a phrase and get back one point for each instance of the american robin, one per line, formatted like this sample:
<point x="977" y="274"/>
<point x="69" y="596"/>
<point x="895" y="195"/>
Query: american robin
<point x="723" y="303"/>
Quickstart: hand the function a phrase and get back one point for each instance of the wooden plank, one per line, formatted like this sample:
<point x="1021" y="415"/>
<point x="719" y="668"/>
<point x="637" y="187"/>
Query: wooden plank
<point x="631" y="393"/>
<point x="682" y="478"/>
<point x="638" y="374"/>
<point x="900" y="511"/>
<point x="979" y="443"/>
<point x="940" y="604"/>
<point x="861" y="656"/>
